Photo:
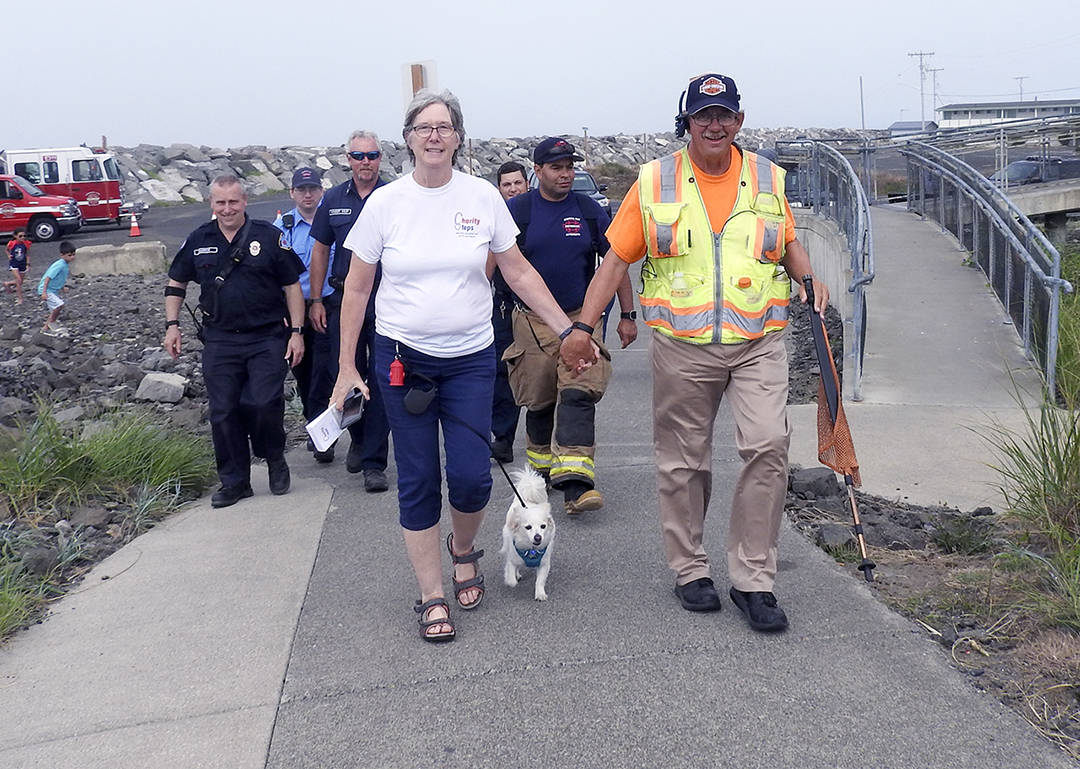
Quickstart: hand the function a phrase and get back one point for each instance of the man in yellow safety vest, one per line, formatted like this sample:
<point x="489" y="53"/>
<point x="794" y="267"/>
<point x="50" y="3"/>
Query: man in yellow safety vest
<point x="718" y="239"/>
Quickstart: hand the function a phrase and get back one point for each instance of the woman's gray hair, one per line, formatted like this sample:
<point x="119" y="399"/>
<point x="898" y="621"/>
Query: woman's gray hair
<point x="423" y="99"/>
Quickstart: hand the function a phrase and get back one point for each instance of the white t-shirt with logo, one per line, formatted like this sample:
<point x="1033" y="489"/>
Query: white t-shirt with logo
<point x="433" y="244"/>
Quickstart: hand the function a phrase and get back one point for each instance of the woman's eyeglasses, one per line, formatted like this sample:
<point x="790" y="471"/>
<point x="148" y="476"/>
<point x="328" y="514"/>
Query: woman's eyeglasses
<point x="424" y="131"/>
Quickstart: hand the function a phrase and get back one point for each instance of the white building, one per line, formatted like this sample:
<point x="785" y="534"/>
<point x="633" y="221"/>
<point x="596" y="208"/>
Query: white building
<point x="981" y="113"/>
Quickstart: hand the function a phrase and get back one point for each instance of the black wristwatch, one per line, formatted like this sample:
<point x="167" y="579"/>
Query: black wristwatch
<point x="171" y="323"/>
<point x="297" y="330"/>
<point x="582" y="327"/>
<point x="632" y="315"/>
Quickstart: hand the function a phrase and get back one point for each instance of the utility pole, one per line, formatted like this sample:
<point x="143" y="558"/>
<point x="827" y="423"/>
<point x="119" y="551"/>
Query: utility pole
<point x="862" y="104"/>
<point x="922" y="84"/>
<point x="1021" y="80"/>
<point x="585" y="132"/>
<point x="933" y="85"/>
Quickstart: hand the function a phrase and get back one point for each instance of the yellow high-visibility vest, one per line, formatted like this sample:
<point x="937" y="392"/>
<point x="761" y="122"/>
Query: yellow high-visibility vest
<point x="703" y="287"/>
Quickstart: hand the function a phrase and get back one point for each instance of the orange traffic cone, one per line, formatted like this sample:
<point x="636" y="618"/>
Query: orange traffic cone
<point x="135" y="231"/>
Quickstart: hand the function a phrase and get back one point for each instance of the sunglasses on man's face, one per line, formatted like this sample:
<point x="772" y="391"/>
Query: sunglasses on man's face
<point x="369" y="155"/>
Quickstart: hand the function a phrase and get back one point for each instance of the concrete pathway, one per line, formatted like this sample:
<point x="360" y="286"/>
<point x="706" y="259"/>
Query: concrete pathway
<point x="279" y="632"/>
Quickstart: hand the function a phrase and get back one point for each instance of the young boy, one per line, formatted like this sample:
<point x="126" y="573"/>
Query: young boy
<point x="52" y="282"/>
<point x="18" y="251"/>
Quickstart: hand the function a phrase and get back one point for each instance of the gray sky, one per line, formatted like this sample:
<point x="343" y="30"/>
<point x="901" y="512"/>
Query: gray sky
<point x="275" y="73"/>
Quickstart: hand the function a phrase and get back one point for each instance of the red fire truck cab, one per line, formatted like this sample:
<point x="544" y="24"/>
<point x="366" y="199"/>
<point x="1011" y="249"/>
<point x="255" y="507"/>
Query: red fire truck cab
<point x="26" y="207"/>
<point x="90" y="176"/>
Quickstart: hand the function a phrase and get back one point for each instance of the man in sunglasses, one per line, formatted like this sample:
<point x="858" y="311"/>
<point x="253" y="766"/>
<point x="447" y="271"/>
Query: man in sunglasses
<point x="561" y="234"/>
<point x="718" y="239"/>
<point x="335" y="217"/>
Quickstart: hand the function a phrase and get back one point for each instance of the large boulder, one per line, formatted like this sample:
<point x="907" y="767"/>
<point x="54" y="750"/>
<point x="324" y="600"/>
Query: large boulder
<point x="161" y="387"/>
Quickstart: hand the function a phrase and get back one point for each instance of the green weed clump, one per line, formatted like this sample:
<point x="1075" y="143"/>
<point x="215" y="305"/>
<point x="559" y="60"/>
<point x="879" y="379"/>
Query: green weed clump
<point x="1040" y="472"/>
<point x="143" y="466"/>
<point x="1068" y="360"/>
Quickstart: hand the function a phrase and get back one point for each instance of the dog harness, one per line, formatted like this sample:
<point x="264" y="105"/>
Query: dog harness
<point x="531" y="557"/>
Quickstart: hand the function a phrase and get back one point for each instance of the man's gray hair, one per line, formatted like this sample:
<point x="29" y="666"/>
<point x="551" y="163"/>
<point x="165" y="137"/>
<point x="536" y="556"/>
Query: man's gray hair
<point x="228" y="180"/>
<point x="423" y="99"/>
<point x="362" y="135"/>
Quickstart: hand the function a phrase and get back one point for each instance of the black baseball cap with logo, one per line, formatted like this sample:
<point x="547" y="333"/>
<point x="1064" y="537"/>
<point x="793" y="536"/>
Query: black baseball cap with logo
<point x="552" y="149"/>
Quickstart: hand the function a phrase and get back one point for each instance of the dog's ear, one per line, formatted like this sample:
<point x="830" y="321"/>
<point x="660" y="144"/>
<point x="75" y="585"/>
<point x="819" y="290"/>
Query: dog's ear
<point x="513" y="518"/>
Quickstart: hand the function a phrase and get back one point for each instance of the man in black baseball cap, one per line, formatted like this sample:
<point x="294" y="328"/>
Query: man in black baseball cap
<point x="313" y="380"/>
<point x="562" y="236"/>
<point x="719" y="238"/>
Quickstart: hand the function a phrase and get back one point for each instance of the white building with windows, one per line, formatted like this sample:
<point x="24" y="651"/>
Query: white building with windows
<point x="982" y="113"/>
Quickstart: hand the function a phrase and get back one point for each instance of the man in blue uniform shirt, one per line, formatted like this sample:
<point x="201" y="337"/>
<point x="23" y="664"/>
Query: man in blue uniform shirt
<point x="250" y="284"/>
<point x="341" y="206"/>
<point x="561" y="236"/>
<point x="313" y="380"/>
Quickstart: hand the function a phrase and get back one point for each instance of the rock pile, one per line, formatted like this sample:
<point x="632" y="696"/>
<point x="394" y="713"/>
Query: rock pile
<point x="182" y="172"/>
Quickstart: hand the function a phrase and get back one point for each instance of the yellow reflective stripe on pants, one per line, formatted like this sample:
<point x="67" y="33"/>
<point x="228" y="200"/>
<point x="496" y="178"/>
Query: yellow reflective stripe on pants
<point x="540" y="461"/>
<point x="570" y="465"/>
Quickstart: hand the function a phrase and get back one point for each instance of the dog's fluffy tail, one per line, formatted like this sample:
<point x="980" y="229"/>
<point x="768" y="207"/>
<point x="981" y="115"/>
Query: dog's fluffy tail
<point x="530" y="485"/>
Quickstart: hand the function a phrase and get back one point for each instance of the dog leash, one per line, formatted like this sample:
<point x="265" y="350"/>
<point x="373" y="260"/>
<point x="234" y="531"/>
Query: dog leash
<point x="418" y="405"/>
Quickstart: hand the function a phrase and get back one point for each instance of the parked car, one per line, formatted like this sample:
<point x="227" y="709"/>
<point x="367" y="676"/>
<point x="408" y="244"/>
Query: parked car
<point x="1036" y="170"/>
<point x="585" y="184"/>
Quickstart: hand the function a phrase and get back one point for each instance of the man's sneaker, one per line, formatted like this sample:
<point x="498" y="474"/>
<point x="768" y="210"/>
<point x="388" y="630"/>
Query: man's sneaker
<point x="699" y="595"/>
<point x="760" y="610"/>
<point x="280" y="479"/>
<point x="310" y="445"/>
<point x="589" y="500"/>
<point x="324" y="457"/>
<point x="502" y="451"/>
<point x="230" y="495"/>
<point x="375" y="480"/>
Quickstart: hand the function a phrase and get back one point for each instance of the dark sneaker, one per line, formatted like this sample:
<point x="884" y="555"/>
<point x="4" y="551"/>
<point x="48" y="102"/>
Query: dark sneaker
<point x="699" y="595"/>
<point x="310" y="445"/>
<point x="375" y="480"/>
<point x="760" y="610"/>
<point x="280" y="480"/>
<point x="502" y="451"/>
<point x="324" y="457"/>
<point x="230" y="495"/>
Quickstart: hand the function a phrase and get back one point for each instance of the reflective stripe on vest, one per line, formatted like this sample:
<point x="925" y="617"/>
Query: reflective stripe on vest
<point x="704" y="288"/>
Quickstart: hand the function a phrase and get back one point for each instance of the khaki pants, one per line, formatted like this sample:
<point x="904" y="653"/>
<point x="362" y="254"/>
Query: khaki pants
<point x="689" y="381"/>
<point x="561" y="412"/>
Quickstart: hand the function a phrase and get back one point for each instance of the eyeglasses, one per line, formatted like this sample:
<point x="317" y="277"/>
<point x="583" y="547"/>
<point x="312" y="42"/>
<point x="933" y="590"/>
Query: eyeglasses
<point x="424" y="131"/>
<point x="369" y="155"/>
<point x="705" y="117"/>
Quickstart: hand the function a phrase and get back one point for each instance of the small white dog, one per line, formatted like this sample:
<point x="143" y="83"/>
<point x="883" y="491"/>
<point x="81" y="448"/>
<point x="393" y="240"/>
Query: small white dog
<point x="529" y="532"/>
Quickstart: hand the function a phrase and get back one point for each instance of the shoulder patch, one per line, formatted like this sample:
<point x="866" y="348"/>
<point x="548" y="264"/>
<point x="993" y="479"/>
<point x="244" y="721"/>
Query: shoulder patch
<point x="283" y="243"/>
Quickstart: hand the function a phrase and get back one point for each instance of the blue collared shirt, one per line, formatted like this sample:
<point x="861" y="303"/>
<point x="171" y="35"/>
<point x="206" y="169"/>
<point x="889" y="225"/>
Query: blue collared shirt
<point x="300" y="239"/>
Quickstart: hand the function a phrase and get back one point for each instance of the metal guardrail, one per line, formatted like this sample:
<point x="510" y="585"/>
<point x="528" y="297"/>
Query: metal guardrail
<point x="1023" y="267"/>
<point x="829" y="186"/>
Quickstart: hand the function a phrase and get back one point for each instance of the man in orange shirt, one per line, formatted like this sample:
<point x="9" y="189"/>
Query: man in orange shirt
<point x="718" y="304"/>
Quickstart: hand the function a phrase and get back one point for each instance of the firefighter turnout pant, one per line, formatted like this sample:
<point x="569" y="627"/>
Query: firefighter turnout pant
<point x="561" y="409"/>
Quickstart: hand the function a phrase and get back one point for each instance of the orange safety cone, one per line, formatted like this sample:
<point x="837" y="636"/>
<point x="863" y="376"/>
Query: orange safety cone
<point x="135" y="231"/>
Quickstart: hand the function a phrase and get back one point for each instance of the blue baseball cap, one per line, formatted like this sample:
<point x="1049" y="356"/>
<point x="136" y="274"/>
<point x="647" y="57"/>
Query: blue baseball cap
<point x="711" y="90"/>
<point x="306" y="177"/>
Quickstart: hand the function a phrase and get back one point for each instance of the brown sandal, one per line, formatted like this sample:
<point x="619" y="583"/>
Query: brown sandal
<point x="476" y="582"/>
<point x="425" y="624"/>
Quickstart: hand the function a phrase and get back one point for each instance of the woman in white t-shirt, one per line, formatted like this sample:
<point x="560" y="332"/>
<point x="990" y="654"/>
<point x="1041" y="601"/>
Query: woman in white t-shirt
<point x="433" y="231"/>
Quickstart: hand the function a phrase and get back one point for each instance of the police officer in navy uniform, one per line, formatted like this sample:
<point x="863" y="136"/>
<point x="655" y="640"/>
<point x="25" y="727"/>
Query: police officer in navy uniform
<point x="253" y="313"/>
<point x="339" y="210"/>
<point x="511" y="181"/>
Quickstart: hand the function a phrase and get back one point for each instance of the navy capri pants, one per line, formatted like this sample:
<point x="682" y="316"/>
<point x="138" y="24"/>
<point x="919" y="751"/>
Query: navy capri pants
<point x="464" y="387"/>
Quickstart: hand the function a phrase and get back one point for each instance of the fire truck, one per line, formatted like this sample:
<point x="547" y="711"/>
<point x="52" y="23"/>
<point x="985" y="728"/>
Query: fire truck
<point x="24" y="207"/>
<point x="90" y="176"/>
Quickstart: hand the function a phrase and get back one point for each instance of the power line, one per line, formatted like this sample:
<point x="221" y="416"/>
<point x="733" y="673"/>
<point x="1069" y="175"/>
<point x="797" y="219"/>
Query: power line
<point x="1006" y="95"/>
